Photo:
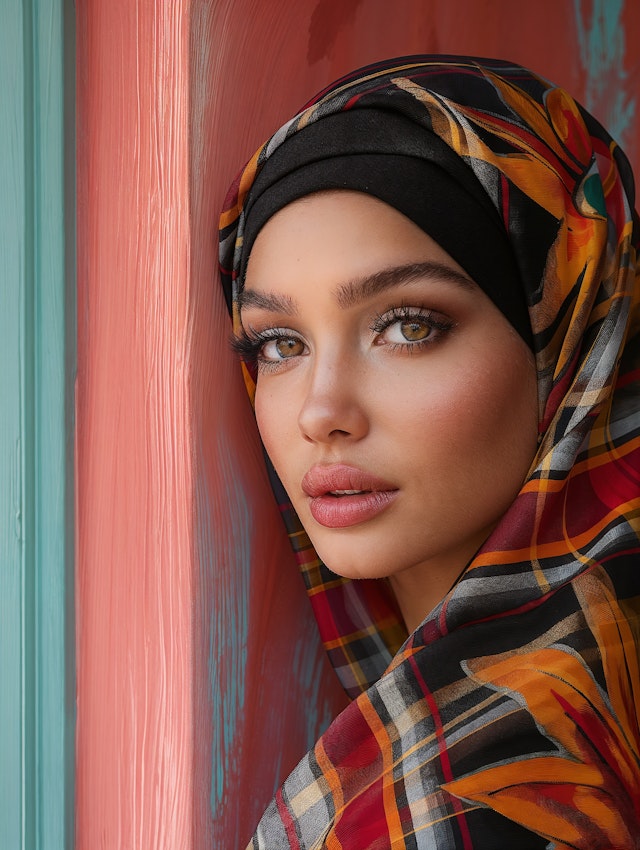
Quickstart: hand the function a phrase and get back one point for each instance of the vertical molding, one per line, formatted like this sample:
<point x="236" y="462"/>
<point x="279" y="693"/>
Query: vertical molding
<point x="53" y="347"/>
<point x="36" y="380"/>
<point x="12" y="275"/>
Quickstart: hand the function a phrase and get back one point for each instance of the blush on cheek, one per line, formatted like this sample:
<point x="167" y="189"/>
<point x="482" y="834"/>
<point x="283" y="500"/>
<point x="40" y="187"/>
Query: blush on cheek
<point x="505" y="420"/>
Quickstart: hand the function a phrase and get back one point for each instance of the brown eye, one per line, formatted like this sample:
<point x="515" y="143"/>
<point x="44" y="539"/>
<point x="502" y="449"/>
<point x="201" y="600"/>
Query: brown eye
<point x="411" y="329"/>
<point x="282" y="348"/>
<point x="407" y="328"/>
<point x="414" y="330"/>
<point x="289" y="347"/>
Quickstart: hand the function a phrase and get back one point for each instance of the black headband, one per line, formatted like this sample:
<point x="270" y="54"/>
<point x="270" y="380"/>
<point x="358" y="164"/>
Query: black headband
<point x="408" y="167"/>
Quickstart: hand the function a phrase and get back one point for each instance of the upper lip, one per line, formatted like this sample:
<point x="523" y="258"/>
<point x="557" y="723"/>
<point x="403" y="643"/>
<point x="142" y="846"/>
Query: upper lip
<point x="321" y="479"/>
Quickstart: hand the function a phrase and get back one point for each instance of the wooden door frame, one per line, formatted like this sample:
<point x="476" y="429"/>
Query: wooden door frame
<point x="37" y="368"/>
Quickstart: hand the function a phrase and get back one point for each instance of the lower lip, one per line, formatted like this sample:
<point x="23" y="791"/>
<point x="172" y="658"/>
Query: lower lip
<point x="343" y="511"/>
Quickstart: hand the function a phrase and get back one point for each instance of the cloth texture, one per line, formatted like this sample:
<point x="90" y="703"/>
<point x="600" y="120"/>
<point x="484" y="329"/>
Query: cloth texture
<point x="509" y="717"/>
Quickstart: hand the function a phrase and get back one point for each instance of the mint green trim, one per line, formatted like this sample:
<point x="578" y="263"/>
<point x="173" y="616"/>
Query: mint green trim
<point x="37" y="356"/>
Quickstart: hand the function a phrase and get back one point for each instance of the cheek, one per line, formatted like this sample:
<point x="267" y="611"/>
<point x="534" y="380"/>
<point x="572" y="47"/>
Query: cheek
<point x="467" y="416"/>
<point x="263" y="407"/>
<point x="496" y="425"/>
<point x="507" y="402"/>
<point x="277" y="425"/>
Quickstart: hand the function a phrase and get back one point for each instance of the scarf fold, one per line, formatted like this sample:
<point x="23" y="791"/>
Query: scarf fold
<point x="509" y="717"/>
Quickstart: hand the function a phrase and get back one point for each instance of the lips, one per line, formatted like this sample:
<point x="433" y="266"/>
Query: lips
<point x="341" y="495"/>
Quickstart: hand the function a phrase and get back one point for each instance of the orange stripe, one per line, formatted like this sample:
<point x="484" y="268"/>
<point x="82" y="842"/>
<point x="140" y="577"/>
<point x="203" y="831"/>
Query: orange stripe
<point x="313" y="591"/>
<point x="604" y="456"/>
<point x="394" y="825"/>
<point x="345" y="640"/>
<point x="558" y="547"/>
<point x="330" y="774"/>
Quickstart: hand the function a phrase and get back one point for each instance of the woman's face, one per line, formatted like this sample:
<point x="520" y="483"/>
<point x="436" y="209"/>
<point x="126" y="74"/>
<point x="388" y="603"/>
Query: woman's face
<point x="396" y="402"/>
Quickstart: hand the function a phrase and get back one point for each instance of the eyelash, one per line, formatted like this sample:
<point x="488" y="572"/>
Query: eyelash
<point x="404" y="313"/>
<point x="249" y="344"/>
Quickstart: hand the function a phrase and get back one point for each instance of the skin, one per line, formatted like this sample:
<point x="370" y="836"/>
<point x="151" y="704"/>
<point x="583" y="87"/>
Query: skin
<point x="441" y="402"/>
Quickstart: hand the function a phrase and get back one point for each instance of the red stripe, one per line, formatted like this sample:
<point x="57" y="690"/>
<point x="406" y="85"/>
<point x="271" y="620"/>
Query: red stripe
<point x="505" y="200"/>
<point x="364" y="823"/>
<point x="288" y="822"/>
<point x="629" y="378"/>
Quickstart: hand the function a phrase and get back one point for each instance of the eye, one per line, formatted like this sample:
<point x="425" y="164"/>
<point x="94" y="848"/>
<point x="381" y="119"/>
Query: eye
<point x="408" y="330"/>
<point x="281" y="348"/>
<point x="269" y="348"/>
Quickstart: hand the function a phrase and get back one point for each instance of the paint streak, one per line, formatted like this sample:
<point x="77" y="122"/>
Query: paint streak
<point x="610" y="91"/>
<point x="228" y="634"/>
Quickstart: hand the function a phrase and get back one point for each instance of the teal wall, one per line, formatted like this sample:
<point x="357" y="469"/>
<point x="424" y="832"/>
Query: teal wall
<point x="36" y="432"/>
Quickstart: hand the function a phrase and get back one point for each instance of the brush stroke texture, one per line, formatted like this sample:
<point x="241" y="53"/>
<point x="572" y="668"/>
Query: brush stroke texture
<point x="611" y="91"/>
<point x="134" y="557"/>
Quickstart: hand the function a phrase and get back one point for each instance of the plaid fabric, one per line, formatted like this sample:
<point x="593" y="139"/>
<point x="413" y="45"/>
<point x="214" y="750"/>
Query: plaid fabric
<point x="509" y="717"/>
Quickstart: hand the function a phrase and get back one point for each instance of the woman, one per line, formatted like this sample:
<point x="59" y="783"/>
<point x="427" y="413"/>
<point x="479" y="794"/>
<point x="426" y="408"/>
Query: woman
<point x="432" y="272"/>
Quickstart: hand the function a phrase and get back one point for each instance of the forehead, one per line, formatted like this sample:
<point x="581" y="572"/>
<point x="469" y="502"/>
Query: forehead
<point x="338" y="232"/>
<point x="344" y="243"/>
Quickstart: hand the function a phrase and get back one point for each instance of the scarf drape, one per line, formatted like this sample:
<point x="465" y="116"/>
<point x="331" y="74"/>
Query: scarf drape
<point x="510" y="716"/>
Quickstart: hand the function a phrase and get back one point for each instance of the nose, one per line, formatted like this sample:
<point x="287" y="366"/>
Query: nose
<point x="334" y="406"/>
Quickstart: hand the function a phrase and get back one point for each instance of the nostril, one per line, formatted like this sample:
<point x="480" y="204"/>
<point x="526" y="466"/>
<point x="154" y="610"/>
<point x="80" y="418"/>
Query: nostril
<point x="331" y="418"/>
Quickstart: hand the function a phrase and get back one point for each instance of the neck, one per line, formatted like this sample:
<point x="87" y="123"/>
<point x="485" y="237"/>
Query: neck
<point x="415" y="600"/>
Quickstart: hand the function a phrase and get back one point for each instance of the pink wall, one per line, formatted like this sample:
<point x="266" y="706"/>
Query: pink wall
<point x="200" y="679"/>
<point x="135" y="565"/>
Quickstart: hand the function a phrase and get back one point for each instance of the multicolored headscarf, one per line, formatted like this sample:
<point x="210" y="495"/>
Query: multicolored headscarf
<point x="509" y="718"/>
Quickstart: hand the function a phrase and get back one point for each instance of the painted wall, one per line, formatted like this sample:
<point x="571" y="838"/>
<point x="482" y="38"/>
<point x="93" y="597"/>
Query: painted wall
<point x="135" y="554"/>
<point x="200" y="679"/>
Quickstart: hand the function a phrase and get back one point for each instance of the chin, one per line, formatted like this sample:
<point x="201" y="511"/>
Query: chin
<point x="364" y="564"/>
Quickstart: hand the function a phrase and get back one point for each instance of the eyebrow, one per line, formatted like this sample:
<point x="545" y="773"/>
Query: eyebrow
<point x="355" y="291"/>
<point x="269" y="301"/>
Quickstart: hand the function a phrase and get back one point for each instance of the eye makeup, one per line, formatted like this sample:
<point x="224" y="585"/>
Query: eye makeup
<point x="400" y="328"/>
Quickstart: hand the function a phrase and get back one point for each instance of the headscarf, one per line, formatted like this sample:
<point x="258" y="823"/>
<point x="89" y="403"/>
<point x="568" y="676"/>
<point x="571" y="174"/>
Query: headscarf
<point x="509" y="717"/>
<point x="387" y="155"/>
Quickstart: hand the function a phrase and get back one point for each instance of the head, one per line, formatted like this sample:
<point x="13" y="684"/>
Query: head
<point x="413" y="262"/>
<point x="383" y="368"/>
